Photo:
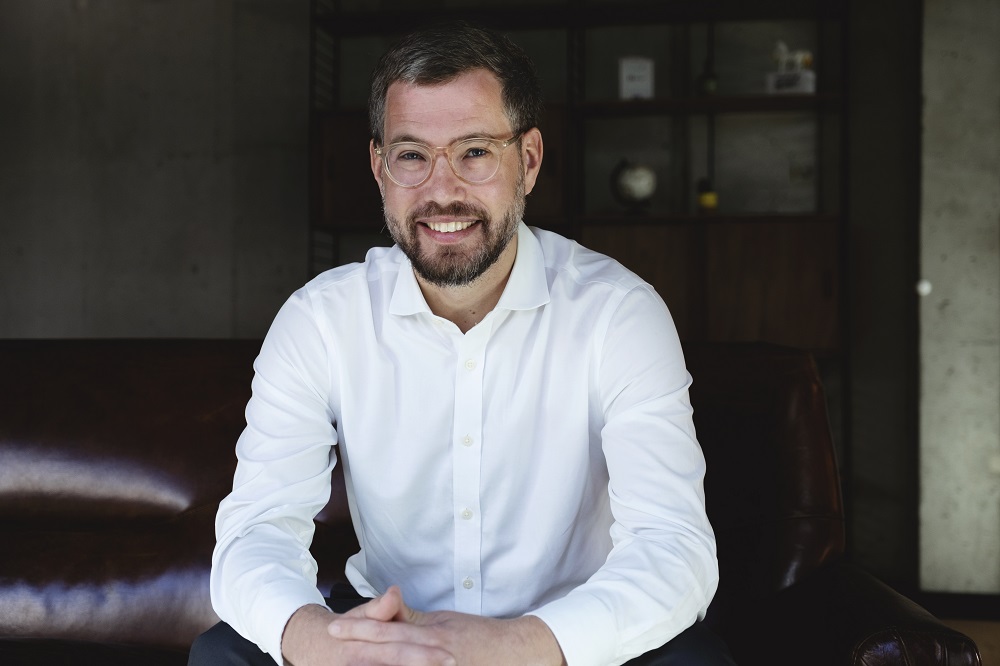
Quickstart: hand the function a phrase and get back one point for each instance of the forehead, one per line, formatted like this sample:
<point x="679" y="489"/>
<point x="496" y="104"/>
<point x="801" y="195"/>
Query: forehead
<point x="469" y="104"/>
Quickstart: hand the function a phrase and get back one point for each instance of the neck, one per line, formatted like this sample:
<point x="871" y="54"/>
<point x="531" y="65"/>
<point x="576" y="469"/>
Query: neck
<point x="465" y="306"/>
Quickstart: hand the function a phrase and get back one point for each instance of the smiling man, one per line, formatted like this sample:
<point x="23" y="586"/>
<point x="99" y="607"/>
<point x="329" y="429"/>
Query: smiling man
<point x="457" y="225"/>
<point x="511" y="411"/>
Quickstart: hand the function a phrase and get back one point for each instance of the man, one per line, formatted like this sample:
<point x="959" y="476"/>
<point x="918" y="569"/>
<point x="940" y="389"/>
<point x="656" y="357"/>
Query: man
<point x="511" y="411"/>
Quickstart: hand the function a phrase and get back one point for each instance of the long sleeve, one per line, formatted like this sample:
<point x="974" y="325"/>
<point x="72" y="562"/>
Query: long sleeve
<point x="662" y="572"/>
<point x="262" y="569"/>
<point x="544" y="461"/>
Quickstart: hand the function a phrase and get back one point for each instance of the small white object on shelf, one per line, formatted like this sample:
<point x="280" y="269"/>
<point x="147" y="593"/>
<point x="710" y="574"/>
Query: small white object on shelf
<point x="803" y="82"/>
<point x="635" y="77"/>
<point x="794" y="74"/>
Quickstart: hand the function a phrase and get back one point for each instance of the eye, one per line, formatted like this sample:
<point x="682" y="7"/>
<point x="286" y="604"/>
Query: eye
<point x="478" y="151"/>
<point x="409" y="156"/>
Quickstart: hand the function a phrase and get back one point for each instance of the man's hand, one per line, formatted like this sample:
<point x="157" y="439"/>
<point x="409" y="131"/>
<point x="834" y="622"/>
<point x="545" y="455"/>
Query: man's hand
<point x="471" y="639"/>
<point x="306" y="642"/>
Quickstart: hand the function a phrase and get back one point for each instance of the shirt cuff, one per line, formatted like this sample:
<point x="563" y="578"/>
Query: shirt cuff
<point x="584" y="628"/>
<point x="269" y="623"/>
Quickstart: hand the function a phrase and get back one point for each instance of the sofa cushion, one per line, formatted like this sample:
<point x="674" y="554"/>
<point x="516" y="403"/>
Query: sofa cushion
<point x="15" y="652"/>
<point x="114" y="455"/>
<point x="94" y="430"/>
<point x="772" y="487"/>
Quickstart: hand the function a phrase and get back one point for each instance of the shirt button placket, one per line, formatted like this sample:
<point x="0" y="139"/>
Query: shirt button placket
<point x="466" y="459"/>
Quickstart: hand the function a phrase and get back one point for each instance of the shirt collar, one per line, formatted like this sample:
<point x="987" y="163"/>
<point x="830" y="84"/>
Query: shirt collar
<point x="527" y="287"/>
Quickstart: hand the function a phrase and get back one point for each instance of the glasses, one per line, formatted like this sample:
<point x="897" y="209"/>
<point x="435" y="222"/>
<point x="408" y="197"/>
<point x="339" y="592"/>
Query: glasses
<point x="409" y="164"/>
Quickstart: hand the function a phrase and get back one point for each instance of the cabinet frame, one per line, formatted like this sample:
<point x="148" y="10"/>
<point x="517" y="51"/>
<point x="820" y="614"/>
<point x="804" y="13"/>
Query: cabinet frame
<point x="569" y="214"/>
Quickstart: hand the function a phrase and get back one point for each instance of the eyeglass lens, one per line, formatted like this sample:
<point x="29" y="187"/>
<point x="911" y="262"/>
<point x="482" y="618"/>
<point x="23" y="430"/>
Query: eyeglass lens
<point x="474" y="160"/>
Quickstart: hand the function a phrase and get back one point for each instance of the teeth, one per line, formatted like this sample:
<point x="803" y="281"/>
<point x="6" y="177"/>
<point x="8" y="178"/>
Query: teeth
<point x="449" y="227"/>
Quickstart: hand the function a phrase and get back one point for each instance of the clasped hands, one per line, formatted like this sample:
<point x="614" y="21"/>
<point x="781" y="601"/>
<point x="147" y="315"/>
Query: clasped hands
<point x="386" y="632"/>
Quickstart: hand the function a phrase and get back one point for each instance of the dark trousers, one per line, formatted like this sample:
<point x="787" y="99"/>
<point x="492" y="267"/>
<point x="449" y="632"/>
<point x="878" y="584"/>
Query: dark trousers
<point x="222" y="646"/>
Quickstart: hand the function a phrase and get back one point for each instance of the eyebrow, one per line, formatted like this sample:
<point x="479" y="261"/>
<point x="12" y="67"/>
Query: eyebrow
<point x="409" y="138"/>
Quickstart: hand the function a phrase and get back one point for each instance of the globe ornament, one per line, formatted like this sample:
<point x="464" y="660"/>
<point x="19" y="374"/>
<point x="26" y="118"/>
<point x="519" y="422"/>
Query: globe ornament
<point x="633" y="185"/>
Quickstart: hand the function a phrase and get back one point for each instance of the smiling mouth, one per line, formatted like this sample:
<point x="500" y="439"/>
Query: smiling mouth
<point x="450" y="227"/>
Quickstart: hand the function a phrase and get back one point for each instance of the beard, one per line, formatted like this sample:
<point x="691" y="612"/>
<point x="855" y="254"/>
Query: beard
<point x="452" y="266"/>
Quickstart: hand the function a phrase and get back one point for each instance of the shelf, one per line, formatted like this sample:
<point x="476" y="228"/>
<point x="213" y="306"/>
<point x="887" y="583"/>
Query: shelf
<point x="668" y="106"/>
<point x="375" y="224"/>
<point x="734" y="281"/>
<point x="639" y="219"/>
<point x="728" y="276"/>
<point x="576" y="15"/>
<point x="713" y="104"/>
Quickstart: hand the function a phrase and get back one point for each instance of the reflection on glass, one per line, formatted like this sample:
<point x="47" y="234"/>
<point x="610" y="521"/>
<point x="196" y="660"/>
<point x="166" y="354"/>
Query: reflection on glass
<point x="646" y="142"/>
<point x="763" y="162"/>
<point x="547" y="49"/>
<point x="358" y="56"/>
<point x="348" y="6"/>
<point x="605" y="46"/>
<point x="744" y="51"/>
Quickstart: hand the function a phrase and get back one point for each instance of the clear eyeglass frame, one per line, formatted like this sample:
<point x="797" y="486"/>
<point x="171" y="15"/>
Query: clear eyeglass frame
<point x="450" y="151"/>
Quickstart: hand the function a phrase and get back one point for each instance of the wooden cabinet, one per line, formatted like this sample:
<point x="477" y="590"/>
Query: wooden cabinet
<point x="766" y="264"/>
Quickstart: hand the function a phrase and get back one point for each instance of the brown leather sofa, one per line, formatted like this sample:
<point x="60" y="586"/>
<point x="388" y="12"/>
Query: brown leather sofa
<point x="115" y="453"/>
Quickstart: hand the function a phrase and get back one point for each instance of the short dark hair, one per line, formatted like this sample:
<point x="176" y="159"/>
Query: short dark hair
<point x="441" y="53"/>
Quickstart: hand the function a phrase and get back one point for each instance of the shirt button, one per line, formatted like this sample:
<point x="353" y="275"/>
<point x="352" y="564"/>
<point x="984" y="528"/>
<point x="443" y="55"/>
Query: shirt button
<point x="467" y="583"/>
<point x="470" y="365"/>
<point x="467" y="514"/>
<point x="467" y="440"/>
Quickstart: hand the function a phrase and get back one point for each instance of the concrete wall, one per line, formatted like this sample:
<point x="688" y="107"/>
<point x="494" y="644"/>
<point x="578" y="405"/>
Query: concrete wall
<point x="153" y="169"/>
<point x="960" y="318"/>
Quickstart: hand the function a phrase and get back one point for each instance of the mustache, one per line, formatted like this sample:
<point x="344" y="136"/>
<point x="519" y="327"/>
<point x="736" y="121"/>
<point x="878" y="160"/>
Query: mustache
<point x="455" y="208"/>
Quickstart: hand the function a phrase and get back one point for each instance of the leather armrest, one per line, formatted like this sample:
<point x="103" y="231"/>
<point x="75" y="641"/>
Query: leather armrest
<point x="842" y="616"/>
<point x="878" y="626"/>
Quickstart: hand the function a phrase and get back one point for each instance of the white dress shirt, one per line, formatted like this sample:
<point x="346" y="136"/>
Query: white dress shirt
<point x="544" y="463"/>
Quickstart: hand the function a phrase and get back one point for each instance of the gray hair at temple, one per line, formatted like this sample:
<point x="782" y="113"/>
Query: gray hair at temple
<point x="441" y="53"/>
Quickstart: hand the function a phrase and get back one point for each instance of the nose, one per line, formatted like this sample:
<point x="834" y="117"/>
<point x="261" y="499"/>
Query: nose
<point x="443" y="181"/>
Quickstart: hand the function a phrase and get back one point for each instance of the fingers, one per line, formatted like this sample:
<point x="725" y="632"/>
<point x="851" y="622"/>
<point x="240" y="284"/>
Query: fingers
<point x="373" y="610"/>
<point x="307" y="640"/>
<point x="377" y="631"/>
<point x="395" y="654"/>
<point x="371" y="638"/>
<point x="393" y="598"/>
<point x="384" y="631"/>
<point x="387" y="608"/>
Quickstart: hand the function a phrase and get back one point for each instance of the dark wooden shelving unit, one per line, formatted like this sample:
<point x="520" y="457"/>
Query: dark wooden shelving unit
<point x="771" y="274"/>
<point x="709" y="104"/>
<point x="572" y="14"/>
<point x="640" y="219"/>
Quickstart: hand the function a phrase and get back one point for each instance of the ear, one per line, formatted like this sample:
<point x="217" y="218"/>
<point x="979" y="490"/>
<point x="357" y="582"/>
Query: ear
<point x="377" y="166"/>
<point x="531" y="157"/>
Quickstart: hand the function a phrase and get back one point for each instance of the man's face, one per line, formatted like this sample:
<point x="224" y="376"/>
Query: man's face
<point x="453" y="231"/>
